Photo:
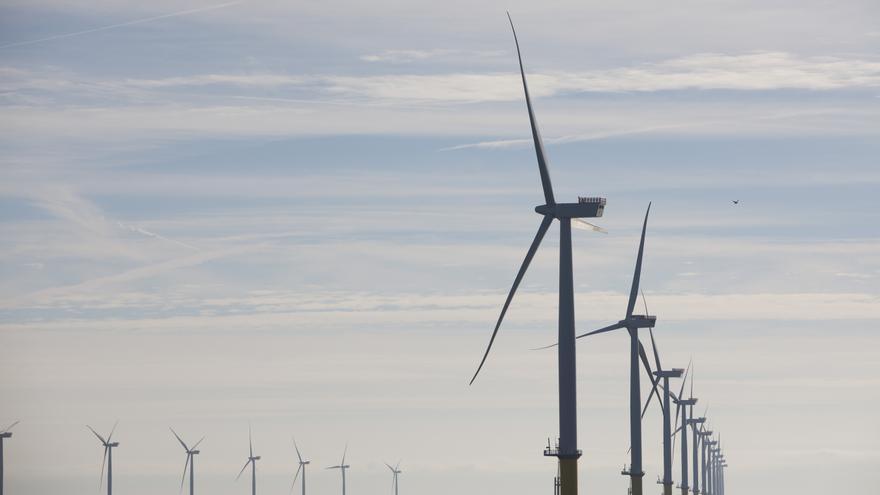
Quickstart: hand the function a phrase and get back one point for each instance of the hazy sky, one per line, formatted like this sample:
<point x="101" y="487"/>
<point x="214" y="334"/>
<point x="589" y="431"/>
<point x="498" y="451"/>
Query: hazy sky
<point x="305" y="216"/>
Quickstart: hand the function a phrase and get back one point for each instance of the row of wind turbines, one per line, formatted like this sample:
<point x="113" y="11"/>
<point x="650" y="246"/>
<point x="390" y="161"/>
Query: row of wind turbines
<point x="704" y="444"/>
<point x="189" y="466"/>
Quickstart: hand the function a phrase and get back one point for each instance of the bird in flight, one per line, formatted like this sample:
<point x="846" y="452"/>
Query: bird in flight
<point x="736" y="201"/>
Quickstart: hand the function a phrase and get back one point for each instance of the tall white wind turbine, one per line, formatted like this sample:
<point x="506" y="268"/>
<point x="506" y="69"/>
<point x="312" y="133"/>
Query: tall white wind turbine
<point x="252" y="461"/>
<point x="302" y="467"/>
<point x="109" y="445"/>
<point x="633" y="322"/>
<point x="394" y="472"/>
<point x="586" y="207"/>
<point x="342" y="466"/>
<point x="190" y="461"/>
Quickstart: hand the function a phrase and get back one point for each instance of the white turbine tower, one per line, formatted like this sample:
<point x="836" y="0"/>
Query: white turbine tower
<point x="252" y="461"/>
<point x="109" y="445"/>
<point x="394" y="472"/>
<point x="342" y="466"/>
<point x="302" y="467"/>
<point x="190" y="461"/>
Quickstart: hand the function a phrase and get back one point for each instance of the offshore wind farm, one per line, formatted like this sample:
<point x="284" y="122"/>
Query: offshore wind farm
<point x="294" y="243"/>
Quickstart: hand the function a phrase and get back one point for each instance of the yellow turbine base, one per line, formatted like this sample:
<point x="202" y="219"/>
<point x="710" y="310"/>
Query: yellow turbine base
<point x="568" y="475"/>
<point x="636" y="484"/>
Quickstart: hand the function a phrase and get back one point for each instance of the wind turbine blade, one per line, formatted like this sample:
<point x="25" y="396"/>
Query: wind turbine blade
<point x="242" y="469"/>
<point x="585" y="225"/>
<point x="389" y="467"/>
<point x="197" y="443"/>
<point x="396" y="466"/>
<point x="545" y="224"/>
<point x="103" y="465"/>
<point x="637" y="275"/>
<point x="297" y="451"/>
<point x="112" y="430"/>
<point x="654" y="347"/>
<point x="9" y="427"/>
<point x="183" y="478"/>
<point x="295" y="476"/>
<point x="650" y="373"/>
<point x="692" y="381"/>
<point x="684" y="379"/>
<point x="250" y="441"/>
<point x="601" y="330"/>
<point x="333" y="467"/>
<point x="179" y="440"/>
<point x="536" y="134"/>
<point x="343" y="454"/>
<point x="97" y="435"/>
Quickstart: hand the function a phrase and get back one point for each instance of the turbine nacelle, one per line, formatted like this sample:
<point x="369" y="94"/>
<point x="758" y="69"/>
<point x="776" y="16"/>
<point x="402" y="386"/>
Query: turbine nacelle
<point x="639" y="321"/>
<point x="114" y="444"/>
<point x="584" y="208"/>
<point x="687" y="402"/>
<point x="254" y="458"/>
<point x="6" y="434"/>
<point x="673" y="373"/>
<point x="194" y="452"/>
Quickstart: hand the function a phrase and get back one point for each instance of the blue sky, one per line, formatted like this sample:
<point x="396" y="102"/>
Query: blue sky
<point x="306" y="217"/>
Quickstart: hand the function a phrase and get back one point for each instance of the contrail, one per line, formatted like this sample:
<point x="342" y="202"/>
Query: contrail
<point x="122" y="24"/>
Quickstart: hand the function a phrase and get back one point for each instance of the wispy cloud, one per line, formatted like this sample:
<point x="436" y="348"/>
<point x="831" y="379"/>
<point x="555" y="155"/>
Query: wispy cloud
<point x="409" y="56"/>
<point x="118" y="25"/>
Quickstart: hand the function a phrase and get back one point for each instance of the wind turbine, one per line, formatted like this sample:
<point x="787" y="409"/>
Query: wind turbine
<point x="109" y="445"/>
<point x="681" y="406"/>
<point x="633" y="323"/>
<point x="302" y="467"/>
<point x="3" y="436"/>
<point x="705" y="438"/>
<point x="709" y="481"/>
<point x="568" y="452"/>
<point x="394" y="472"/>
<point x="342" y="466"/>
<point x="252" y="460"/>
<point x="665" y="375"/>
<point x="696" y="425"/>
<point x="190" y="461"/>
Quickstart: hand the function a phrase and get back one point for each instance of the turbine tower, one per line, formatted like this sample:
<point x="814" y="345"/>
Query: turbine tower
<point x="665" y="375"/>
<point x="682" y="406"/>
<point x="4" y="434"/>
<point x="696" y="425"/>
<point x="342" y="466"/>
<point x="568" y="453"/>
<point x="109" y="445"/>
<point x="252" y="460"/>
<point x="190" y="461"/>
<point x="633" y="323"/>
<point x="302" y="467"/>
<point x="394" y="472"/>
<point x="705" y="436"/>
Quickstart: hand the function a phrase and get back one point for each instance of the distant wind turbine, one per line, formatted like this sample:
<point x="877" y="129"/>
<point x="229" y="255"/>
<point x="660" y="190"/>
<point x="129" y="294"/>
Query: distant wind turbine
<point x="4" y="434"/>
<point x="568" y="452"/>
<point x="682" y="406"/>
<point x="394" y="472"/>
<point x="252" y="460"/>
<point x="109" y="445"/>
<point x="342" y="466"/>
<point x="302" y="467"/>
<point x="665" y="375"/>
<point x="190" y="461"/>
<point x="633" y="323"/>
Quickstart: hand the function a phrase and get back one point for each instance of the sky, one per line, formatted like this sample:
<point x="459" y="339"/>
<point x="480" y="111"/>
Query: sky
<point x="304" y="217"/>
